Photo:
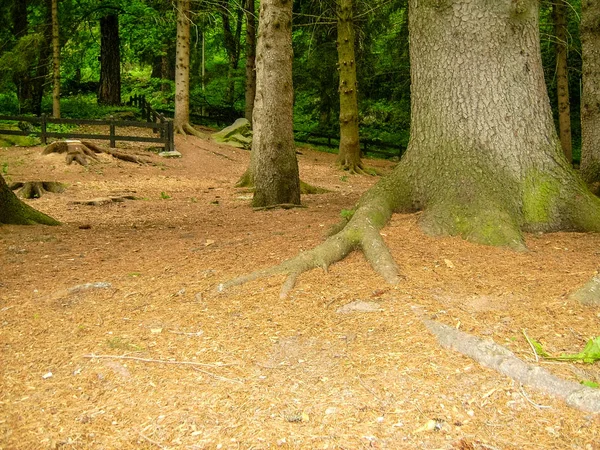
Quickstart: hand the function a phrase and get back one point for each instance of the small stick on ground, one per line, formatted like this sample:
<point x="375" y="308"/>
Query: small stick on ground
<point x="146" y="438"/>
<point x="159" y="361"/>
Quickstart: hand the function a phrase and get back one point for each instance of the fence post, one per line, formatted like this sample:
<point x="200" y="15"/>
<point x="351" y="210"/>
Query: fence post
<point x="43" y="128"/>
<point x="169" y="142"/>
<point x="112" y="133"/>
<point x="163" y="126"/>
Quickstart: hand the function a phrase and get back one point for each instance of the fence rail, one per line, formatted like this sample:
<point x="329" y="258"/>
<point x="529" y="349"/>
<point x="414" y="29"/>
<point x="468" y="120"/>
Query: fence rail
<point x="372" y="146"/>
<point x="160" y="125"/>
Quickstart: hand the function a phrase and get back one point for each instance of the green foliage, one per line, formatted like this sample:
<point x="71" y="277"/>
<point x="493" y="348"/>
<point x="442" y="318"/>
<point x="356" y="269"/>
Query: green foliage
<point x="590" y="354"/>
<point x="591" y="384"/>
<point x="347" y="213"/>
<point x="9" y="103"/>
<point x="164" y="196"/>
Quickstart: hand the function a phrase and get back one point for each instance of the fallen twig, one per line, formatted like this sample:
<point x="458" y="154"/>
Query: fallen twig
<point x="146" y="438"/>
<point x="159" y="361"/>
<point x="218" y="377"/>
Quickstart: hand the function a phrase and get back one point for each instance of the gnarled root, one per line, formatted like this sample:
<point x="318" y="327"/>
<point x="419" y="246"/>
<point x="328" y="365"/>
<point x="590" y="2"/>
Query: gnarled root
<point x="361" y="231"/>
<point x="186" y="128"/>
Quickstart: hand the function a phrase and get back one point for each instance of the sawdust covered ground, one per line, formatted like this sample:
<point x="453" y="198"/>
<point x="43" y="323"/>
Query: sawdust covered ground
<point x="246" y="369"/>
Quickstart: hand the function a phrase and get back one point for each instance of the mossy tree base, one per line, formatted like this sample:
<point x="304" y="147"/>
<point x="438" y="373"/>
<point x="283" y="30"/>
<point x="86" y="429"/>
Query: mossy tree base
<point x="14" y="211"/>
<point x="35" y="189"/>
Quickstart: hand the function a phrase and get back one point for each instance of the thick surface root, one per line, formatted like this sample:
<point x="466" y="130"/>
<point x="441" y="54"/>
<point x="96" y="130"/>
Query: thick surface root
<point x="588" y="294"/>
<point x="494" y="356"/>
<point x="362" y="231"/>
<point x="188" y="129"/>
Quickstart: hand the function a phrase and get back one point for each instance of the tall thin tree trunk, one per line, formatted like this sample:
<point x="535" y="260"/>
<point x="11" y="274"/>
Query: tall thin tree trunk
<point x="22" y="80"/>
<point x="250" y="58"/>
<point x="232" y="47"/>
<point x="559" y="13"/>
<point x="590" y="103"/>
<point x="276" y="172"/>
<point x="55" y="61"/>
<point x="182" y="66"/>
<point x="349" y="151"/>
<point x="109" y="92"/>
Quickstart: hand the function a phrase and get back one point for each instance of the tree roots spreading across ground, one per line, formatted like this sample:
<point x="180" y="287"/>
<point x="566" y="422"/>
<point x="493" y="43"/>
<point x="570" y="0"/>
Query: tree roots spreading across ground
<point x="80" y="151"/>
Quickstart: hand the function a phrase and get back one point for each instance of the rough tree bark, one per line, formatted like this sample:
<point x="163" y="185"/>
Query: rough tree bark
<point x="590" y="103"/>
<point x="276" y="173"/>
<point x="55" y="61"/>
<point x="14" y="211"/>
<point x="349" y="150"/>
<point x="484" y="161"/>
<point x="250" y="12"/>
<point x="181" y="121"/>
<point x="109" y="92"/>
<point x="559" y="14"/>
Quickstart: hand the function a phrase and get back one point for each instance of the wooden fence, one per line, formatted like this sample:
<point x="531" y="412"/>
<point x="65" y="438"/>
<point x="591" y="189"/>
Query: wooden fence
<point x="371" y="146"/>
<point x="160" y="125"/>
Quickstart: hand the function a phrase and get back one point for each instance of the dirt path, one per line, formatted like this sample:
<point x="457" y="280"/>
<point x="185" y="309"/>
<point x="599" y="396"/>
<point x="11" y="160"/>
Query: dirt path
<point x="267" y="372"/>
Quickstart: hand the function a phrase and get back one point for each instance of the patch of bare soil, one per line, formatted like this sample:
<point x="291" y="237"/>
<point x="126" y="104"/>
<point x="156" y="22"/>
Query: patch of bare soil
<point x="112" y="335"/>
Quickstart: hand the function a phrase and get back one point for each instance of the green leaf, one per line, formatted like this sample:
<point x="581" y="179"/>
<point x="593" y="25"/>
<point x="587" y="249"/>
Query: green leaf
<point x="590" y="354"/>
<point x="591" y="384"/>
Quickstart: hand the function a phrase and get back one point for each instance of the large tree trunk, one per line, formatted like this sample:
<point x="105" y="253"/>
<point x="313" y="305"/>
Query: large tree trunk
<point x="109" y="92"/>
<point x="349" y="151"/>
<point x="55" y="62"/>
<point x="590" y="103"/>
<point x="250" y="58"/>
<point x="14" y="211"/>
<point x="484" y="161"/>
<point x="276" y="171"/>
<point x="559" y="14"/>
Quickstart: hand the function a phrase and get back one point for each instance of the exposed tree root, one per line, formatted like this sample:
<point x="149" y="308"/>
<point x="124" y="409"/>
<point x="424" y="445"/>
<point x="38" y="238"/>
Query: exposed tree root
<point x="80" y="151"/>
<point x="280" y="206"/>
<point x="356" y="168"/>
<point x="188" y="129"/>
<point x="361" y="231"/>
<point x="35" y="189"/>
<point x="494" y="356"/>
<point x="588" y="294"/>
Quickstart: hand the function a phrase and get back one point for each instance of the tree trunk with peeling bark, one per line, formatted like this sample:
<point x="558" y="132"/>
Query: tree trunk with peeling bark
<point x="484" y="161"/>
<point x="559" y="14"/>
<point x="14" y="211"/>
<point x="349" y="150"/>
<point x="276" y="174"/>
<point x="590" y="103"/>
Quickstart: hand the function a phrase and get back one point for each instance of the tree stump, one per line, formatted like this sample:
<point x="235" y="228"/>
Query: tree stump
<point x="35" y="189"/>
<point x="80" y="151"/>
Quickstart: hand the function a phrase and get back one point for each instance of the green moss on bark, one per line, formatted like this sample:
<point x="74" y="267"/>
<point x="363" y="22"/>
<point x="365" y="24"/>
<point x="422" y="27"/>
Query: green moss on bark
<point x="540" y="198"/>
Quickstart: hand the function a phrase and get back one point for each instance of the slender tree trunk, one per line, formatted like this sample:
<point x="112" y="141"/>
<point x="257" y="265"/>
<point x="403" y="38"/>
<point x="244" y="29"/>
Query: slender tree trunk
<point x="276" y="172"/>
<point x="14" y="211"/>
<point x="559" y="13"/>
<point x="349" y="151"/>
<point x="22" y="80"/>
<point x="109" y="92"/>
<point x="590" y="103"/>
<point x="250" y="58"/>
<point x="55" y="61"/>
<point x="232" y="47"/>
<point x="182" y="66"/>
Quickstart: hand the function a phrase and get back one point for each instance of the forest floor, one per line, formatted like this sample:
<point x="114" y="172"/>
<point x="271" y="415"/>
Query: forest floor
<point x="244" y="369"/>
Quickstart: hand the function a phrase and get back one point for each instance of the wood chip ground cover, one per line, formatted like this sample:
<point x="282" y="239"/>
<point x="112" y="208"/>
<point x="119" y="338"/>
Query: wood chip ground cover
<point x="274" y="373"/>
